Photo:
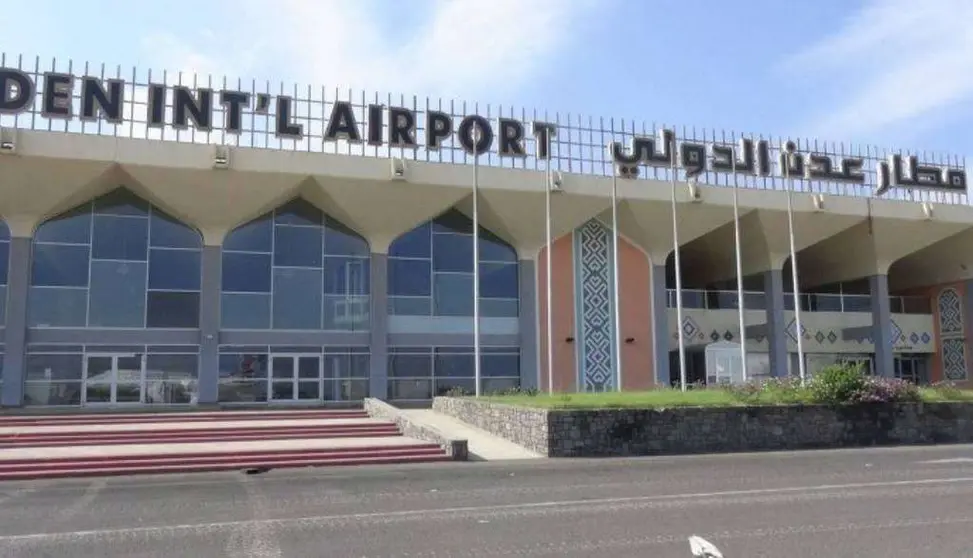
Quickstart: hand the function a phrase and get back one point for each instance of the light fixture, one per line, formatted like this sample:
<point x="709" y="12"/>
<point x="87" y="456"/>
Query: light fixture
<point x="8" y="141"/>
<point x="927" y="210"/>
<point x="818" y="201"/>
<point x="221" y="157"/>
<point x="557" y="181"/>
<point x="695" y="195"/>
<point x="398" y="168"/>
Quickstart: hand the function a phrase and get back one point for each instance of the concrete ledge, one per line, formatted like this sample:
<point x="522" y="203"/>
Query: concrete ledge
<point x="688" y="430"/>
<point x="455" y="448"/>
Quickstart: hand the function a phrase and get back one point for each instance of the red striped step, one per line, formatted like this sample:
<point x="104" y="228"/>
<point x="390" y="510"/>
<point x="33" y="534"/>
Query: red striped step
<point x="152" y="469"/>
<point x="143" y="437"/>
<point x="109" y="459"/>
<point x="241" y="427"/>
<point x="108" y="418"/>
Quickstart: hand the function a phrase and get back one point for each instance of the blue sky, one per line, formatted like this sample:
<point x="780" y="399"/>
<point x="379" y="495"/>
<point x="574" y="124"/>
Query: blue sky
<point x="894" y="73"/>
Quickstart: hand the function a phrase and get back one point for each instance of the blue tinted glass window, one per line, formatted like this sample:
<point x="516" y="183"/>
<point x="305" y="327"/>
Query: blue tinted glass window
<point x="120" y="238"/>
<point x="245" y="311"/>
<point x="297" y="299"/>
<point x="121" y="202"/>
<point x="117" y="297"/>
<point x="409" y="277"/>
<point x="246" y="273"/>
<point x="168" y="232"/>
<point x="492" y="249"/>
<point x="298" y="212"/>
<point x="498" y="280"/>
<point x="4" y="261"/>
<point x="174" y="269"/>
<point x="73" y="227"/>
<point x="500" y="365"/>
<point x="342" y="241"/>
<point x="453" y="295"/>
<point x="410" y="366"/>
<point x="54" y="307"/>
<point x="62" y="266"/>
<point x="346" y="275"/>
<point x="255" y="236"/>
<point x="455" y="366"/>
<point x="175" y="310"/>
<point x="453" y="221"/>
<point x="452" y="252"/>
<point x="413" y="244"/>
<point x="297" y="246"/>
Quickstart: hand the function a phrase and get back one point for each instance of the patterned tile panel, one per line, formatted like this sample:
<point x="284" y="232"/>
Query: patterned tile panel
<point x="593" y="251"/>
<point x="952" y="339"/>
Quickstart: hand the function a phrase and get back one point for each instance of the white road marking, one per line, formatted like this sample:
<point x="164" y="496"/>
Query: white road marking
<point x="217" y="526"/>
<point x="947" y="461"/>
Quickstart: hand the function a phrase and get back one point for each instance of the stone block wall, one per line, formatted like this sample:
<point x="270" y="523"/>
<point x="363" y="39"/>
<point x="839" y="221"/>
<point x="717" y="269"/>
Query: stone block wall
<point x="633" y="432"/>
<point x="456" y="448"/>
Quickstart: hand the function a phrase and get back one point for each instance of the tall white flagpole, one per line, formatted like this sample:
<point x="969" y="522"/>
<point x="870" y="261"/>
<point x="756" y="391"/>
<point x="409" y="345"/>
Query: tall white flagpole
<point x="476" y="260"/>
<point x="615" y="285"/>
<point x="678" y="265"/>
<point x="550" y="297"/>
<point x="741" y="307"/>
<point x="794" y="275"/>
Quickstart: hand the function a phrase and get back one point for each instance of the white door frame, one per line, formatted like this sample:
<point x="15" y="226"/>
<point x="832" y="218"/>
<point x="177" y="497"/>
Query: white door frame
<point x="294" y="377"/>
<point x="112" y="379"/>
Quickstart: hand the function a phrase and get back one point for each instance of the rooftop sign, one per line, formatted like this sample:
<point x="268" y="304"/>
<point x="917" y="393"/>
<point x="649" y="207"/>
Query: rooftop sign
<point x="398" y="127"/>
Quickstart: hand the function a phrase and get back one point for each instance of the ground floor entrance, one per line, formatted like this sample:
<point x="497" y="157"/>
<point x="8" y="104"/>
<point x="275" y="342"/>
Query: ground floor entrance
<point x="295" y="377"/>
<point x="113" y="379"/>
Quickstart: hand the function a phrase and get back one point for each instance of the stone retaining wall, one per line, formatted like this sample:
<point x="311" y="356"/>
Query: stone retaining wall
<point x="455" y="448"/>
<point x="630" y="432"/>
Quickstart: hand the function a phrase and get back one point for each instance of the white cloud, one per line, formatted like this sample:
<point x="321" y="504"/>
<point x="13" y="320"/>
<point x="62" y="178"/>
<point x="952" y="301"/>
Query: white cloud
<point x="903" y="60"/>
<point x="463" y="49"/>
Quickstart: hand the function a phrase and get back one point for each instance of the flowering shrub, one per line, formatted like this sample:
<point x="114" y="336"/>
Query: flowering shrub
<point x="844" y="383"/>
<point x="886" y="390"/>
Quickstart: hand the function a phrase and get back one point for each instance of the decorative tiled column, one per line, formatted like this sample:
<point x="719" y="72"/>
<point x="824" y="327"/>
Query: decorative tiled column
<point x="594" y="307"/>
<point x="952" y="333"/>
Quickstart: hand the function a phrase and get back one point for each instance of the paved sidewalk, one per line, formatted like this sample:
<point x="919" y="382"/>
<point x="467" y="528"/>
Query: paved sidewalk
<point x="483" y="446"/>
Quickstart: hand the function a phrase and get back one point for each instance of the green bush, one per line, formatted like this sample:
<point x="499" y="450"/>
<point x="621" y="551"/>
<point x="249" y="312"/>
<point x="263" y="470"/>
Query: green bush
<point x="838" y="384"/>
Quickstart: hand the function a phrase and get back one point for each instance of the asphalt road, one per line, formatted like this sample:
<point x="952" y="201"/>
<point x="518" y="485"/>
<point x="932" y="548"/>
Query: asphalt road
<point x="915" y="502"/>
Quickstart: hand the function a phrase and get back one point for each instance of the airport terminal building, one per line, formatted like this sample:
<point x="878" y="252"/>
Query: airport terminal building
<point x="194" y="240"/>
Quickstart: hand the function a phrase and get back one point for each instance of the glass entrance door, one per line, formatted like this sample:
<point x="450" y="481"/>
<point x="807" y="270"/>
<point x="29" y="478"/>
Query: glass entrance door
<point x="295" y="378"/>
<point x="112" y="379"/>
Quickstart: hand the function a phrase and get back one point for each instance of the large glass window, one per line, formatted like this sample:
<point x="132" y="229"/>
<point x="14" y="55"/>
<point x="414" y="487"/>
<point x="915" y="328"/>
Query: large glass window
<point x="116" y="262"/>
<point x="57" y="375"/>
<point x="431" y="271"/>
<point x="295" y="268"/>
<point x="248" y="374"/>
<point x="420" y="373"/>
<point x="4" y="267"/>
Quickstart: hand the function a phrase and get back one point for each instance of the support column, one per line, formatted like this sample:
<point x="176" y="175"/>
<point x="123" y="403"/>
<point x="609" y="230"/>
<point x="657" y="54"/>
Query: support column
<point x="878" y="288"/>
<point x="379" y="326"/>
<point x="209" y="325"/>
<point x="18" y="284"/>
<point x="529" y="342"/>
<point x="660" y="326"/>
<point x="776" y="336"/>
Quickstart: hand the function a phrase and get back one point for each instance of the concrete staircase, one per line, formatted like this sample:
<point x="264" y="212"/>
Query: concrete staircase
<point x="64" y="446"/>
